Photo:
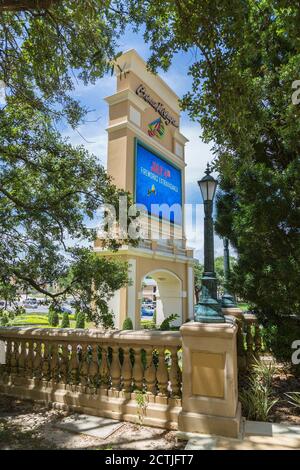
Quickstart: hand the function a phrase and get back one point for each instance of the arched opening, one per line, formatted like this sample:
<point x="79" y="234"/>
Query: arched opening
<point x="161" y="297"/>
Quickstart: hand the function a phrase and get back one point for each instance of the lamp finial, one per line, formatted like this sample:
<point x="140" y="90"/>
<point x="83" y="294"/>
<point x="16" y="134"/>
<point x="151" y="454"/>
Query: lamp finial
<point x="208" y="169"/>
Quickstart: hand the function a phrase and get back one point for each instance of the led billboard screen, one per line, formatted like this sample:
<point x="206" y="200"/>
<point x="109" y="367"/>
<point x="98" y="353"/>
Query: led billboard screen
<point x="157" y="185"/>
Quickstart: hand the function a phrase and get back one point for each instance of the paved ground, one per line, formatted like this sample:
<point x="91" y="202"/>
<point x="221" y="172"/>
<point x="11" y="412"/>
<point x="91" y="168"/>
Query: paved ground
<point x="27" y="425"/>
<point x="256" y="436"/>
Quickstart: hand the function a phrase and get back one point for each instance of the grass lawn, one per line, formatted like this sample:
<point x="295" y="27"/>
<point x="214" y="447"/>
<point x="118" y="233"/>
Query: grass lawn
<point x="41" y="320"/>
<point x="243" y="306"/>
<point x="147" y="324"/>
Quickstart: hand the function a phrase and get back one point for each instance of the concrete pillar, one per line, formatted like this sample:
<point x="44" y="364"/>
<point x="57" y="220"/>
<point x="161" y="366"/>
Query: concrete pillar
<point x="209" y="381"/>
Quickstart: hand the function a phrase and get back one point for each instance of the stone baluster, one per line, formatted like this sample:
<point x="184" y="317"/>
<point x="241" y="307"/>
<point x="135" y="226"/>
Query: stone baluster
<point x="46" y="361"/>
<point x="257" y="339"/>
<point x="22" y="358"/>
<point x="249" y="341"/>
<point x="54" y="362"/>
<point x="104" y="374"/>
<point x="175" y="373"/>
<point x="37" y="360"/>
<point x="74" y="364"/>
<point x="138" y="370"/>
<point x="241" y="350"/>
<point x="64" y="363"/>
<point x="115" y="368"/>
<point x="8" y="355"/>
<point x="94" y="367"/>
<point x="29" y="359"/>
<point x="14" y="357"/>
<point x="162" y="372"/>
<point x="126" y="370"/>
<point x="150" y="371"/>
<point x="84" y="368"/>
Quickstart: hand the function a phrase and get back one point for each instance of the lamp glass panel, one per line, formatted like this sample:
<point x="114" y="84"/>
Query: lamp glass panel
<point x="204" y="189"/>
<point x="211" y="189"/>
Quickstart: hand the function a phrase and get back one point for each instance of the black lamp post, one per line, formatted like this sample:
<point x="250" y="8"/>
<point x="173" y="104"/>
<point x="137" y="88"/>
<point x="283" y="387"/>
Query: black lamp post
<point x="208" y="310"/>
<point x="208" y="186"/>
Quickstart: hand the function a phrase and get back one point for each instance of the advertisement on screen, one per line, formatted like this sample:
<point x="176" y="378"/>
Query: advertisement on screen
<point x="158" y="185"/>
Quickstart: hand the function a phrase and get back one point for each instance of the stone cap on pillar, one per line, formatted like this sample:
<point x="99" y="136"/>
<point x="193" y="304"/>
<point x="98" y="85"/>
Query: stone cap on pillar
<point x="222" y="330"/>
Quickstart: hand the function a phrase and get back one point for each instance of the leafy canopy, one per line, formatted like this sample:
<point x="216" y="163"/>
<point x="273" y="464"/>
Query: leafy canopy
<point x="50" y="190"/>
<point x="245" y="56"/>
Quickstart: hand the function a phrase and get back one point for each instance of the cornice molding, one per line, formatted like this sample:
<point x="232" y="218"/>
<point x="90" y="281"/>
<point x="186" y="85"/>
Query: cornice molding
<point x="127" y="95"/>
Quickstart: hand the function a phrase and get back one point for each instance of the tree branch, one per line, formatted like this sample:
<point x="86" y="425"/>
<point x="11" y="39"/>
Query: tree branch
<point x="25" y="5"/>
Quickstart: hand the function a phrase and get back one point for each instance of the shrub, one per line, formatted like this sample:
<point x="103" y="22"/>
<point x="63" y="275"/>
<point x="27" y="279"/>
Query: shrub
<point x="166" y="324"/>
<point x="53" y="317"/>
<point x="80" y="320"/>
<point x="76" y="313"/>
<point x="257" y="398"/>
<point x="154" y="318"/>
<point x="4" y="318"/>
<point x="278" y="338"/>
<point x="65" y="323"/>
<point x="147" y="325"/>
<point x="19" y="310"/>
<point x="294" y="399"/>
<point x="127" y="324"/>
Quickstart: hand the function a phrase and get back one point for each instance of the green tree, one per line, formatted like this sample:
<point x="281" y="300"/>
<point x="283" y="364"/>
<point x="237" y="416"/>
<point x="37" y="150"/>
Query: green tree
<point x="53" y="315"/>
<point x="49" y="189"/>
<point x="65" y="322"/>
<point x="127" y="324"/>
<point x="198" y="272"/>
<point x="245" y="59"/>
<point x="80" y="320"/>
<point x="219" y="269"/>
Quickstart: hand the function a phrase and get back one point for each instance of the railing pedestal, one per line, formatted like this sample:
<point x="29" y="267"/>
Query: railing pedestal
<point x="210" y="385"/>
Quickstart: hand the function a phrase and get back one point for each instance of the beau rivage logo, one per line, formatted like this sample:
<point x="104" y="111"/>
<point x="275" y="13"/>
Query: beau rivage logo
<point x="159" y="107"/>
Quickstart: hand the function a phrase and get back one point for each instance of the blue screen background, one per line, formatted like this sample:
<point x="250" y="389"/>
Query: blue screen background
<point x="157" y="182"/>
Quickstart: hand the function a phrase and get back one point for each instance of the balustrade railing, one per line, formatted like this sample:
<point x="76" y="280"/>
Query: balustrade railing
<point x="96" y="361"/>
<point x="248" y="339"/>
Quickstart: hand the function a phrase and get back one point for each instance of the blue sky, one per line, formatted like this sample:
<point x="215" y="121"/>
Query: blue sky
<point x="94" y="137"/>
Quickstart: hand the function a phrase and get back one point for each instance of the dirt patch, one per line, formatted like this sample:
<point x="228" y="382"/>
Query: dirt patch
<point x="285" y="381"/>
<point x="28" y="425"/>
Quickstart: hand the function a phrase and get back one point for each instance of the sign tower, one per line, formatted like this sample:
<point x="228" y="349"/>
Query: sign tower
<point x="146" y="156"/>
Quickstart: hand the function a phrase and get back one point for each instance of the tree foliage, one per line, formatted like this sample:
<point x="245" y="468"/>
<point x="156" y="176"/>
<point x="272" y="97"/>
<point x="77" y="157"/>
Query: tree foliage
<point x="65" y="322"/>
<point x="50" y="190"/>
<point x="80" y="320"/>
<point x="245" y="56"/>
<point x="219" y="270"/>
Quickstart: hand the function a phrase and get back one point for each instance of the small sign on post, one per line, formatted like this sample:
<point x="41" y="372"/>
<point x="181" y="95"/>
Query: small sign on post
<point x="2" y="353"/>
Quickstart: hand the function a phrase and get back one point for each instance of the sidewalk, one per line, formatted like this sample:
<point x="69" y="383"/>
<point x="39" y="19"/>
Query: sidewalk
<point x="256" y="436"/>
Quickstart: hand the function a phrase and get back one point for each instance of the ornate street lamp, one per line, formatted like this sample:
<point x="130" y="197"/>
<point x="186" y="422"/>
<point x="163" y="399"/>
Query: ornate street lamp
<point x="208" y="310"/>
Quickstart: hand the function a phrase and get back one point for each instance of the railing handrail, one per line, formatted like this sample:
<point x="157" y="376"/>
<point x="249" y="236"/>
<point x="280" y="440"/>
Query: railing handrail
<point x="140" y="337"/>
<point x="249" y="317"/>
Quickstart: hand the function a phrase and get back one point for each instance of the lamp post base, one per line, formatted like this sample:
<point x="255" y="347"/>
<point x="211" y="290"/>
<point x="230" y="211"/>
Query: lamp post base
<point x="228" y="301"/>
<point x="208" y="310"/>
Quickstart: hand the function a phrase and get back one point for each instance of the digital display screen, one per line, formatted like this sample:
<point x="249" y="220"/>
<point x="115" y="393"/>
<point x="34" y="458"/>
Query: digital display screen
<point x="158" y="185"/>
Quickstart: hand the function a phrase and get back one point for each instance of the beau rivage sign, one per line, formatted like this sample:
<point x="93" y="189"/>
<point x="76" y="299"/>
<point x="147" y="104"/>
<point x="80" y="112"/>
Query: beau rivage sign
<point x="159" y="107"/>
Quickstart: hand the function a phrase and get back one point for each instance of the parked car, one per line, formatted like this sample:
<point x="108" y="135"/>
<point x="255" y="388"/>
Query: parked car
<point x="65" y="308"/>
<point x="28" y="304"/>
<point x="147" y="312"/>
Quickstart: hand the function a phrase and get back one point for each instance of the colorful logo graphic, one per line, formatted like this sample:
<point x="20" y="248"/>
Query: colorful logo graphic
<point x="156" y="128"/>
<point x="152" y="190"/>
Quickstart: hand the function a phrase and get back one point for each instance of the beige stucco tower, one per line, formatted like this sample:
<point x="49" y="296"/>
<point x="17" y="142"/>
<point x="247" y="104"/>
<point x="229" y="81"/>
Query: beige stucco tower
<point x="146" y="156"/>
